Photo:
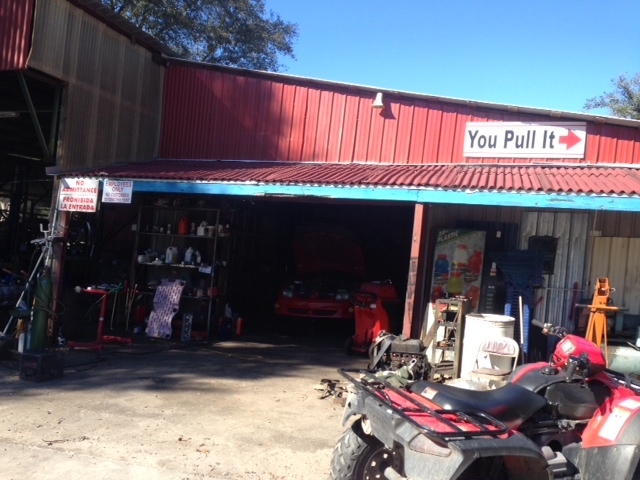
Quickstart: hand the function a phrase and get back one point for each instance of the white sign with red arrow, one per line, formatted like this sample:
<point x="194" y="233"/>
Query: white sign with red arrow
<point x="525" y="140"/>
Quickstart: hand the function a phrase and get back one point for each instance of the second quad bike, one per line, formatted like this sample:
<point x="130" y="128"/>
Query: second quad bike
<point x="569" y="418"/>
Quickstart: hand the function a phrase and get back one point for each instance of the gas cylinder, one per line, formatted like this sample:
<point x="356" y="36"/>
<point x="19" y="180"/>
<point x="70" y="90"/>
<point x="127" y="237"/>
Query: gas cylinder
<point x="41" y="309"/>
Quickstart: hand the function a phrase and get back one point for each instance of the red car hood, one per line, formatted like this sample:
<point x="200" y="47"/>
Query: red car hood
<point x="322" y="252"/>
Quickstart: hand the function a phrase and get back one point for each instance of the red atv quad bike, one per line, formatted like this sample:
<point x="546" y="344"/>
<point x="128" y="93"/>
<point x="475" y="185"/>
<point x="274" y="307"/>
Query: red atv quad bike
<point x="570" y="418"/>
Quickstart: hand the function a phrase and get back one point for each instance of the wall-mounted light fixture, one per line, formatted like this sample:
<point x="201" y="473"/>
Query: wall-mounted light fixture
<point x="378" y="103"/>
<point x="9" y="114"/>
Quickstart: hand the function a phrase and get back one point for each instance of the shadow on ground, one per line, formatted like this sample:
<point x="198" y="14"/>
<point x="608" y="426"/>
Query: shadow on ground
<point x="279" y="350"/>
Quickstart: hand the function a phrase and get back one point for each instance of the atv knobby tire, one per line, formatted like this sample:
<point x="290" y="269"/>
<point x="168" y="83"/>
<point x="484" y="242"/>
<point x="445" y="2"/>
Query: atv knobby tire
<point x="358" y="456"/>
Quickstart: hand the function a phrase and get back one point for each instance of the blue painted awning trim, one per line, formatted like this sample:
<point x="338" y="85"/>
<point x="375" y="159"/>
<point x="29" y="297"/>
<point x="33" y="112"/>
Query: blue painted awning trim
<point x="412" y="195"/>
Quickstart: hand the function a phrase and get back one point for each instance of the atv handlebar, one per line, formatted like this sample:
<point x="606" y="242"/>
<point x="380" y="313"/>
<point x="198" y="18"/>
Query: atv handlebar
<point x="549" y="329"/>
<point x="538" y="323"/>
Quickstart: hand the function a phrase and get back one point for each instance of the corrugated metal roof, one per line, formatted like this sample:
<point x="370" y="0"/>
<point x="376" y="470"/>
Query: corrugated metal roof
<point x="499" y="178"/>
<point x="16" y="18"/>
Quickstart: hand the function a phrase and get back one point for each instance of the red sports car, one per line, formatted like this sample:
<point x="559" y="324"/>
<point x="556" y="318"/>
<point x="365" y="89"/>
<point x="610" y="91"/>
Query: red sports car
<point x="328" y="267"/>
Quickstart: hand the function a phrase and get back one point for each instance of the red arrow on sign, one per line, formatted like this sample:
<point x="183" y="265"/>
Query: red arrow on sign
<point x="570" y="139"/>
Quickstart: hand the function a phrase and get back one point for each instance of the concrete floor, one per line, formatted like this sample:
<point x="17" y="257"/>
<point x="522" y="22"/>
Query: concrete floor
<point x="247" y="408"/>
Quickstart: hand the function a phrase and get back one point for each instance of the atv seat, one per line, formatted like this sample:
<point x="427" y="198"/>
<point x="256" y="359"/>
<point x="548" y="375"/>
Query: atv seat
<point x="511" y="404"/>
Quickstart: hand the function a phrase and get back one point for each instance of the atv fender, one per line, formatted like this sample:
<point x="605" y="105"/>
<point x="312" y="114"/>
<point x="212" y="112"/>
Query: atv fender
<point x="520" y="456"/>
<point x="353" y="405"/>
<point x="516" y="455"/>
<point x="611" y="441"/>
<point x="616" y="461"/>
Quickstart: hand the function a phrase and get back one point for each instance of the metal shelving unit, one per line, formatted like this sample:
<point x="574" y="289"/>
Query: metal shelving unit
<point x="206" y="281"/>
<point x="446" y="345"/>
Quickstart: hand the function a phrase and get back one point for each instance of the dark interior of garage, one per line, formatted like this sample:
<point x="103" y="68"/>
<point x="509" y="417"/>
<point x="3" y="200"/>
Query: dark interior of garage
<point x="28" y="119"/>
<point x="103" y="248"/>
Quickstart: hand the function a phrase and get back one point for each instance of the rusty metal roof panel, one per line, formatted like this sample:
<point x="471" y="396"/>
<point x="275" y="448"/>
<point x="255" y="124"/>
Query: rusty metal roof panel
<point x="16" y="23"/>
<point x="494" y="178"/>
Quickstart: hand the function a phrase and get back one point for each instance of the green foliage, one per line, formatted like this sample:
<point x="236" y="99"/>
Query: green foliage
<point x="623" y="101"/>
<point x="228" y="32"/>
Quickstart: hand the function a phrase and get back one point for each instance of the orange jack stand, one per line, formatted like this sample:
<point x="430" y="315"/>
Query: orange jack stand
<point x="597" y="326"/>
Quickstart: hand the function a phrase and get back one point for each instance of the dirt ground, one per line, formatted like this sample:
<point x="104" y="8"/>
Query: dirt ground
<point x="247" y="408"/>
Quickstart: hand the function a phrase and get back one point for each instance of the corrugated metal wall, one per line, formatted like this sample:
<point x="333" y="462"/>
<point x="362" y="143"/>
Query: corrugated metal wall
<point x="614" y="252"/>
<point x="554" y="302"/>
<point x="16" y="19"/>
<point x="580" y="257"/>
<point x="617" y="224"/>
<point x="218" y="114"/>
<point x="112" y="104"/>
<point x="619" y="260"/>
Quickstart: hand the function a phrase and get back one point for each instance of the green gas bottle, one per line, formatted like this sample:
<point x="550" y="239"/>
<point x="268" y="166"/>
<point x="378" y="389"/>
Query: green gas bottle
<point x="41" y="309"/>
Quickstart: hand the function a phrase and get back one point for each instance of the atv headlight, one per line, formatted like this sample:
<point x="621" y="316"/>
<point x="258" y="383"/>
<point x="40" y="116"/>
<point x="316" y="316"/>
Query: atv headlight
<point x="287" y="293"/>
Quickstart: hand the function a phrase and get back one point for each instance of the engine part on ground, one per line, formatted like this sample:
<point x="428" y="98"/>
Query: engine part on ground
<point x="329" y="387"/>
<point x="394" y="353"/>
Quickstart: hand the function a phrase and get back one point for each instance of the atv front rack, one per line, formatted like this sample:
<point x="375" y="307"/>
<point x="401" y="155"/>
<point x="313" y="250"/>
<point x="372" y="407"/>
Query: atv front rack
<point x="483" y="424"/>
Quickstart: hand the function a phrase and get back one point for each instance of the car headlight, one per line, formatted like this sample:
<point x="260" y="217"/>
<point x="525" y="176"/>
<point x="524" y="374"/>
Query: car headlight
<point x="287" y="293"/>
<point x="342" y="295"/>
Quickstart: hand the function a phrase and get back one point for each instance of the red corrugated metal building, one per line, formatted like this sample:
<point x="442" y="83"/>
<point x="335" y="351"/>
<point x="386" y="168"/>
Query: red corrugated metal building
<point x="15" y="34"/>
<point x="256" y="137"/>
<point x="260" y="135"/>
<point x="411" y="141"/>
<point x="217" y="113"/>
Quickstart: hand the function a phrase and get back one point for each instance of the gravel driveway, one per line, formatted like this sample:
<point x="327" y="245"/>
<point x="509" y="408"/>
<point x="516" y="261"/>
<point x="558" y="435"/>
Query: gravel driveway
<point x="242" y="409"/>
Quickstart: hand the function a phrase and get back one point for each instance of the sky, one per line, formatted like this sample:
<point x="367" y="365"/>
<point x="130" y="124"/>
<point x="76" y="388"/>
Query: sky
<point x="532" y="53"/>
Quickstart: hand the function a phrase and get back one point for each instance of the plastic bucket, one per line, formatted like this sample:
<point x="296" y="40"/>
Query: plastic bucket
<point x="479" y="326"/>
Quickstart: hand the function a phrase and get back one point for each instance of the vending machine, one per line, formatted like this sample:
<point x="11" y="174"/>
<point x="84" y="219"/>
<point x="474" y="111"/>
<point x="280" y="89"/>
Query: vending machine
<point x="457" y="265"/>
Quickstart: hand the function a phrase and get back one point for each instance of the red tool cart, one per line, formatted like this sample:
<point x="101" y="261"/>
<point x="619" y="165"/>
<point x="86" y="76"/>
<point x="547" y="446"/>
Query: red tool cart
<point x="371" y="303"/>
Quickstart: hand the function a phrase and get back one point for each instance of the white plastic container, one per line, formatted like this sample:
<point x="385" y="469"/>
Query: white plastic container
<point x="479" y="326"/>
<point x="187" y="255"/>
<point x="171" y="255"/>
